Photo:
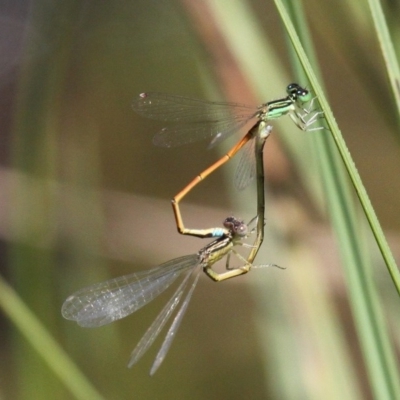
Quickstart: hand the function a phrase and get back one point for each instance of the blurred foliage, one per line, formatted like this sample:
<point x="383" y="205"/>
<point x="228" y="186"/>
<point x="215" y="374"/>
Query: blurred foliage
<point x="87" y="197"/>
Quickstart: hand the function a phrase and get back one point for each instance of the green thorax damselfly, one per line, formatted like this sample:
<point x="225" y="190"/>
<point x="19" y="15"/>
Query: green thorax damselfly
<point x="194" y="119"/>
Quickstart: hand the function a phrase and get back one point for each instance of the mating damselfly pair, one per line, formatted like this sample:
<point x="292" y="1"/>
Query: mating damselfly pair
<point x="194" y="120"/>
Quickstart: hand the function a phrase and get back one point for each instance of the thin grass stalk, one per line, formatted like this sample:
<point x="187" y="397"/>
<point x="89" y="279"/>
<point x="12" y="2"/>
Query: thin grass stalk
<point x="388" y="51"/>
<point x="43" y="342"/>
<point x="377" y="348"/>
<point x="343" y="151"/>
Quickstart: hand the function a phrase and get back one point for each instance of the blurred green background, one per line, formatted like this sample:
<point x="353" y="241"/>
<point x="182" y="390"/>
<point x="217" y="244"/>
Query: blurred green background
<point x="86" y="196"/>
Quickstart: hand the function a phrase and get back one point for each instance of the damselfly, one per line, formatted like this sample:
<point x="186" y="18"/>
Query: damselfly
<point x="194" y="120"/>
<point x="106" y="302"/>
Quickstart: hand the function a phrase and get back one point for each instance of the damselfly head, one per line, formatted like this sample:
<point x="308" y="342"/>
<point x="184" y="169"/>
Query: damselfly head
<point x="229" y="222"/>
<point x="298" y="93"/>
<point x="236" y="226"/>
<point x="292" y="88"/>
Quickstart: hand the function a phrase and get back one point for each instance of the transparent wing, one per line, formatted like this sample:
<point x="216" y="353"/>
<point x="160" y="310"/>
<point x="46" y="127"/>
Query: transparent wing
<point x="246" y="169"/>
<point x="103" y="303"/>
<point x="193" y="119"/>
<point x="162" y="318"/>
<point x="167" y="107"/>
<point x="174" y="327"/>
<point x="177" y="135"/>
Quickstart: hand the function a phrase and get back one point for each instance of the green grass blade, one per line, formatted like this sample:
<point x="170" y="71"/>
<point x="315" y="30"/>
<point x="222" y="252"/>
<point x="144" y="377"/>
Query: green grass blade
<point x="387" y="47"/>
<point x="41" y="340"/>
<point x="371" y="327"/>
<point x="343" y="150"/>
